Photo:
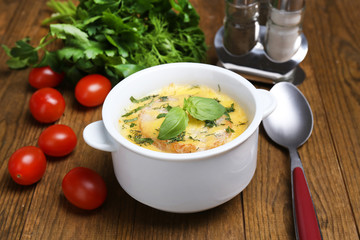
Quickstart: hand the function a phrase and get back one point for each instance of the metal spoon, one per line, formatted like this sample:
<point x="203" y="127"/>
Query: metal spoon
<point x="290" y="125"/>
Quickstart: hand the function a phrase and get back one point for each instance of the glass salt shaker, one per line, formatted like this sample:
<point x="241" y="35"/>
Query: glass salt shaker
<point x="241" y="27"/>
<point x="283" y="29"/>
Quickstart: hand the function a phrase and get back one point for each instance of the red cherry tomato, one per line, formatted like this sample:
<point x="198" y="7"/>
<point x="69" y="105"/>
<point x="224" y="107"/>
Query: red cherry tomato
<point x="27" y="165"/>
<point x="57" y="140"/>
<point x="92" y="90"/>
<point x="44" y="77"/>
<point x="47" y="105"/>
<point x="84" y="188"/>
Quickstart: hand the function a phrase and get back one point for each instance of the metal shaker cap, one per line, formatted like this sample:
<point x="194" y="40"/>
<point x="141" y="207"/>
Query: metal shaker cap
<point x="242" y="2"/>
<point x="288" y="5"/>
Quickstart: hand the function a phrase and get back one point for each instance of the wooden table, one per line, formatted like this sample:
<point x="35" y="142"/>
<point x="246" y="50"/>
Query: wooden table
<point x="262" y="211"/>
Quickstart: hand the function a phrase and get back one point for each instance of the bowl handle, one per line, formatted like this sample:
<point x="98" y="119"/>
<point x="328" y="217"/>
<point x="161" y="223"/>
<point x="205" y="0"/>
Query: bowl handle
<point x="268" y="102"/>
<point x="96" y="136"/>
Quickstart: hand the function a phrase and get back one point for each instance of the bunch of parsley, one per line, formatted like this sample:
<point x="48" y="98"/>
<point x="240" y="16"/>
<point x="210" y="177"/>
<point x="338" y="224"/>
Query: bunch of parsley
<point x="114" y="37"/>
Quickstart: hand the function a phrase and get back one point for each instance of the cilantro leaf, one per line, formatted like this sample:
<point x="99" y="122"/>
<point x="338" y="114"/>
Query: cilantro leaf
<point x="63" y="31"/>
<point x="126" y="70"/>
<point x="21" y="55"/>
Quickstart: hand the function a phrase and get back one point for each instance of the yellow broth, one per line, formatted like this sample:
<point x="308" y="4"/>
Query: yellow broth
<point x="142" y="120"/>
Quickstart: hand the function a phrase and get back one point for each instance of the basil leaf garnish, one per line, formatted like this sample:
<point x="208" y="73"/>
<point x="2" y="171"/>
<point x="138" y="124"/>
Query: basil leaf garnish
<point x="174" y="123"/>
<point x="176" y="120"/>
<point x="204" y="108"/>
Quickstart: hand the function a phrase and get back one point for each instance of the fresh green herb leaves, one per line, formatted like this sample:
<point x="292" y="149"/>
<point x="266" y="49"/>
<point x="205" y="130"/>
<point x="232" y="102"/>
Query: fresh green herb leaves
<point x="229" y="130"/>
<point x="133" y="100"/>
<point x="230" y="109"/>
<point x="177" y="138"/>
<point x="204" y="108"/>
<point x="168" y="107"/>
<point x="163" y="98"/>
<point x="130" y="120"/>
<point x="161" y="115"/>
<point x="176" y="120"/>
<point x="134" y="111"/>
<point x="210" y="124"/>
<point x="21" y="55"/>
<point x="194" y="139"/>
<point x="64" y="31"/>
<point x="141" y="140"/>
<point x="114" y="38"/>
<point x="174" y="123"/>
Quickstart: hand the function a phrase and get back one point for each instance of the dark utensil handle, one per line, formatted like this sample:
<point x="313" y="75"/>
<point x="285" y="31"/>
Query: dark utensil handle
<point x="306" y="220"/>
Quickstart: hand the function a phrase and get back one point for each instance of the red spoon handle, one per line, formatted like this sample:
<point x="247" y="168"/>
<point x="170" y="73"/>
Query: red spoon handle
<point x="306" y="220"/>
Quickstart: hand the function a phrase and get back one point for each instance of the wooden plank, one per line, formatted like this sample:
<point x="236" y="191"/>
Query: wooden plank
<point x="211" y="19"/>
<point x="335" y="66"/>
<point x="267" y="200"/>
<point x="223" y="222"/>
<point x="324" y="175"/>
<point x="17" y="128"/>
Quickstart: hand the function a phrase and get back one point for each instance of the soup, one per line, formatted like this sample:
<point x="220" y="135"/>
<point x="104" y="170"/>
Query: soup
<point x="183" y="119"/>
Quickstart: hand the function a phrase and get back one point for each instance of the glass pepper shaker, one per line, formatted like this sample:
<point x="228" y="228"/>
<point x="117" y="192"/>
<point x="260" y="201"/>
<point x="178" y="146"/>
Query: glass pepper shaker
<point x="263" y="11"/>
<point x="241" y="27"/>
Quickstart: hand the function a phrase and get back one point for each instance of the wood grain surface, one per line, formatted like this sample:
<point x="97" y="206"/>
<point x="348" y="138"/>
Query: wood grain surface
<point x="262" y="211"/>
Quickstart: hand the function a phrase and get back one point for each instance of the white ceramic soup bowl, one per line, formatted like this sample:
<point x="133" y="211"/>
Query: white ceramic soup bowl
<point x="189" y="182"/>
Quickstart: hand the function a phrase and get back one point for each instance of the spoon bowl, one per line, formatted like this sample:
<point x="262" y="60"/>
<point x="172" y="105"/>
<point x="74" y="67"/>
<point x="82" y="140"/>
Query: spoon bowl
<point x="290" y="125"/>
